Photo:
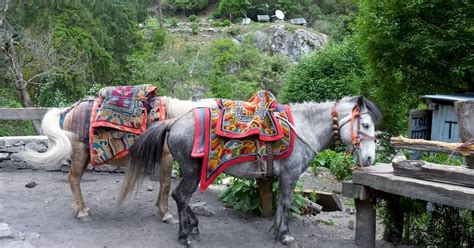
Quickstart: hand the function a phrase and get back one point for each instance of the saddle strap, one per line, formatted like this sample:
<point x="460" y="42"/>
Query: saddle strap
<point x="269" y="169"/>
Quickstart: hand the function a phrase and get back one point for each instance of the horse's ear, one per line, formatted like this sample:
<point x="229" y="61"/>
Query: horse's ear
<point x="361" y="102"/>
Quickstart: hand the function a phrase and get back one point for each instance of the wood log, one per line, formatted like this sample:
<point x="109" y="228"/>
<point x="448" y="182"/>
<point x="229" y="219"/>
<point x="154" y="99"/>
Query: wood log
<point x="22" y="113"/>
<point x="465" y="117"/>
<point x="266" y="196"/>
<point x="329" y="201"/>
<point x="456" y="175"/>
<point x="432" y="146"/>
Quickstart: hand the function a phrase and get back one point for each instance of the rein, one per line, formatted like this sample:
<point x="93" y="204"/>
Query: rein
<point x="298" y="133"/>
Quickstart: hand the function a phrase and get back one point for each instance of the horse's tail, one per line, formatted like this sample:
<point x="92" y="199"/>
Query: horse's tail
<point x="144" y="153"/>
<point x="59" y="144"/>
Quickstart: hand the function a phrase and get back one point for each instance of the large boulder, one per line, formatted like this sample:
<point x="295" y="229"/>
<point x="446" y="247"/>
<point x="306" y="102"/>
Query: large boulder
<point x="291" y="41"/>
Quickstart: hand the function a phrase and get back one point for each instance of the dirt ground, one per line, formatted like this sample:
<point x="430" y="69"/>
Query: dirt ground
<point x="42" y="217"/>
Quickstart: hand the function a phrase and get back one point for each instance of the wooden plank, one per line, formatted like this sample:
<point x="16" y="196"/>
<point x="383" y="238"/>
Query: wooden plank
<point x="432" y="146"/>
<point x="355" y="191"/>
<point x="457" y="175"/>
<point x="465" y="116"/>
<point x="328" y="200"/>
<point x="22" y="113"/>
<point x="265" y="194"/>
<point x="452" y="195"/>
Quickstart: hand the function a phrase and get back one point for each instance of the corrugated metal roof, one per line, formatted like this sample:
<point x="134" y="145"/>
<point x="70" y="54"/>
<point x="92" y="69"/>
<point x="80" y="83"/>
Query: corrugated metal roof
<point x="450" y="98"/>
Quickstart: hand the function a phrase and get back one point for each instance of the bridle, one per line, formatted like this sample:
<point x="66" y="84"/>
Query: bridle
<point x="356" y="137"/>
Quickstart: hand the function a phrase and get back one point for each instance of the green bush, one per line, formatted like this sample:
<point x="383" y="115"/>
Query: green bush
<point x="189" y="5"/>
<point x="174" y="23"/>
<point x="192" y="18"/>
<point x="328" y="74"/>
<point x="159" y="37"/>
<point x="226" y="23"/>
<point x="339" y="163"/>
<point x="242" y="196"/>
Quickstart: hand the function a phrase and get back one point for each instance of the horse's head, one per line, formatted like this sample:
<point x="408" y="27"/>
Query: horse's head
<point x="355" y="120"/>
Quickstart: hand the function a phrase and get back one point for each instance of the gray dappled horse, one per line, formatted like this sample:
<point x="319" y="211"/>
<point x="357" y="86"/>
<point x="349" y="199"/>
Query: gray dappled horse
<point x="352" y="120"/>
<point x="66" y="145"/>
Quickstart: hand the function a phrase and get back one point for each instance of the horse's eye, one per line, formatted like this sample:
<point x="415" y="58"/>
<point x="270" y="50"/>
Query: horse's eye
<point x="365" y="125"/>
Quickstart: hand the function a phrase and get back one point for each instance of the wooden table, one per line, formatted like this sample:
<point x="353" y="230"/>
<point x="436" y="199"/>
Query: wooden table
<point x="371" y="182"/>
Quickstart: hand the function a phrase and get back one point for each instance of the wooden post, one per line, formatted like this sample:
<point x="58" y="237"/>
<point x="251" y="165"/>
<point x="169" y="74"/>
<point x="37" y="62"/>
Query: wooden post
<point x="365" y="223"/>
<point x="393" y="234"/>
<point x="265" y="194"/>
<point x="465" y="116"/>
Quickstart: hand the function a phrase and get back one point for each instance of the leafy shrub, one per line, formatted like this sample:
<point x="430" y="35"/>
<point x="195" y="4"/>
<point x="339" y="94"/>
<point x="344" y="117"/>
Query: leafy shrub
<point x="189" y="5"/>
<point x="328" y="74"/>
<point x="174" y="23"/>
<point x="194" y="28"/>
<point x="226" y="23"/>
<point x="339" y="163"/>
<point x="159" y="37"/>
<point x="192" y="18"/>
<point x="242" y="196"/>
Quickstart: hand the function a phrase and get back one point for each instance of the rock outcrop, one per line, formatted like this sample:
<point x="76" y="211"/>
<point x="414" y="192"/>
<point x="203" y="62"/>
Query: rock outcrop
<point x="293" y="42"/>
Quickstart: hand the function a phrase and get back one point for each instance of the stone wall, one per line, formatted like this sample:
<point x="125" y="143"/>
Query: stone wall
<point x="11" y="146"/>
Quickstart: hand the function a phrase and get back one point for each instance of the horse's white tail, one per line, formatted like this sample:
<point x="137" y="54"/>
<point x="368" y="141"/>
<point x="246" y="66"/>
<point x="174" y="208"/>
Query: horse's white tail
<point x="59" y="144"/>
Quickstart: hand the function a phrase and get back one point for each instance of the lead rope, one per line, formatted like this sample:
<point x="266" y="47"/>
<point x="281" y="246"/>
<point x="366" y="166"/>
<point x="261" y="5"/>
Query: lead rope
<point x="298" y="133"/>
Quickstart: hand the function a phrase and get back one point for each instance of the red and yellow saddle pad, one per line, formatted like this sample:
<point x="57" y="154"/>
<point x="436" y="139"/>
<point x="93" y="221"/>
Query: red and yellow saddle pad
<point x="218" y="152"/>
<point x="119" y="115"/>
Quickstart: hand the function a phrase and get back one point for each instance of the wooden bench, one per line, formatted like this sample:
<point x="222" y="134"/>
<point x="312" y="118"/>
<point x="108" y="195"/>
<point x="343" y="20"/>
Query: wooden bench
<point x="379" y="181"/>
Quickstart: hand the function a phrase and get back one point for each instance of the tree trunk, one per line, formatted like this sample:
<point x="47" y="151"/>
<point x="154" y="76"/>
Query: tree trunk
<point x="12" y="61"/>
<point x="160" y="13"/>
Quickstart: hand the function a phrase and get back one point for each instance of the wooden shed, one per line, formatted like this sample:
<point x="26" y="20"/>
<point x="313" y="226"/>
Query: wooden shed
<point x="444" y="125"/>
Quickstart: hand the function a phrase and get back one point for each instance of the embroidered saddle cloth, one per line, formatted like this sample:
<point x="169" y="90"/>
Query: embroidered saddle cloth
<point x="237" y="132"/>
<point x="119" y="115"/>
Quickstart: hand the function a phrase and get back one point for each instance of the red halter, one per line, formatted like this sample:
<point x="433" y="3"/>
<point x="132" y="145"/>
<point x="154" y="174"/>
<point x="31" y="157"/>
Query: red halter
<point x="356" y="137"/>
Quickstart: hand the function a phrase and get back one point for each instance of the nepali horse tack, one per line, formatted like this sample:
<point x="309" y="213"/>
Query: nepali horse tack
<point x="118" y="117"/>
<point x="238" y="131"/>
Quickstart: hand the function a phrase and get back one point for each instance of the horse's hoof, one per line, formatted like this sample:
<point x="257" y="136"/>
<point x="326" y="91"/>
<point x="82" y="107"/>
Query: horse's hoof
<point x="170" y="220"/>
<point x="195" y="234"/>
<point x="188" y="242"/>
<point x="289" y="241"/>
<point x="84" y="218"/>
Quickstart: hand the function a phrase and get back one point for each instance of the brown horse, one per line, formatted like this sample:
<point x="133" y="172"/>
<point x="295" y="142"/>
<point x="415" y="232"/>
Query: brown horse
<point x="67" y="143"/>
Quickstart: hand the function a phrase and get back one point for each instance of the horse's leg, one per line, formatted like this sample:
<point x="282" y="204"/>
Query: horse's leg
<point x="165" y="186"/>
<point x="188" y="223"/>
<point x="287" y="184"/>
<point x="79" y="161"/>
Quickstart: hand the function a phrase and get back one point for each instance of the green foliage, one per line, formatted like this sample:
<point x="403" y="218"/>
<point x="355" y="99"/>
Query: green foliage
<point x="192" y="18"/>
<point x="441" y="158"/>
<point x="428" y="224"/>
<point x="12" y="128"/>
<point x="339" y="163"/>
<point x="232" y="8"/>
<point x="242" y="196"/>
<point x="159" y="38"/>
<point x="226" y="23"/>
<point x="412" y="48"/>
<point x="328" y="74"/>
<point x="194" y="28"/>
<point x="191" y="6"/>
<point x="174" y="23"/>
<point x="384" y="150"/>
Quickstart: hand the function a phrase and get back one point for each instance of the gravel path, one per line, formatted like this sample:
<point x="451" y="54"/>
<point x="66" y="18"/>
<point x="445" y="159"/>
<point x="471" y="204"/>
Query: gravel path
<point x="42" y="217"/>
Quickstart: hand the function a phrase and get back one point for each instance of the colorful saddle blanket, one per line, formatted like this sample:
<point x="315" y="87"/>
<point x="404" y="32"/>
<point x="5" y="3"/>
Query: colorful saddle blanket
<point x="119" y="115"/>
<point x="253" y="124"/>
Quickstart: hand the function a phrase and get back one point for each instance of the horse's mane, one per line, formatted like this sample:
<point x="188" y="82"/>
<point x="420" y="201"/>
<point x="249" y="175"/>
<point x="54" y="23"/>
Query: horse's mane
<point x="176" y="107"/>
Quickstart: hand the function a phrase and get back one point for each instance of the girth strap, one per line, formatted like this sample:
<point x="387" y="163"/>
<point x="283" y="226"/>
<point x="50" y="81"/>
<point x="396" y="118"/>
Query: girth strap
<point x="269" y="167"/>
